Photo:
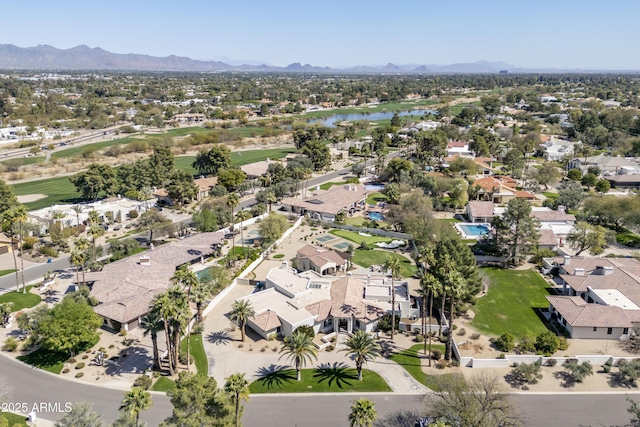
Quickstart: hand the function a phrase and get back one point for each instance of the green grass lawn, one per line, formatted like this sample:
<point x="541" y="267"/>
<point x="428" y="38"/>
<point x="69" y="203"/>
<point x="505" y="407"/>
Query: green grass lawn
<point x="238" y="158"/>
<point x="19" y="299"/>
<point x="511" y="302"/>
<point x="374" y="198"/>
<point x="5" y="272"/>
<point x="319" y="380"/>
<point x="197" y="351"/>
<point x="163" y="384"/>
<point x="14" y="419"/>
<point x="356" y="238"/>
<point x="77" y="151"/>
<point x="449" y="220"/>
<point x="328" y="185"/>
<point x="44" y="359"/>
<point x="628" y="238"/>
<point x="378" y="257"/>
<point x="413" y="360"/>
<point x="57" y="189"/>
<point x="550" y="195"/>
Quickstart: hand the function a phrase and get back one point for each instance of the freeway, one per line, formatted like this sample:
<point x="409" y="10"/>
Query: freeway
<point x="32" y="386"/>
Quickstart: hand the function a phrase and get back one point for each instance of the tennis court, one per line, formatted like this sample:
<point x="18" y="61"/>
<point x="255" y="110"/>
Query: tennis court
<point x="325" y="239"/>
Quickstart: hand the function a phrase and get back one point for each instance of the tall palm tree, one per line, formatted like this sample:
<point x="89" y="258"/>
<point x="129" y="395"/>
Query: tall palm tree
<point x="433" y="288"/>
<point x="298" y="350"/>
<point x="151" y="324"/>
<point x="393" y="265"/>
<point x="57" y="216"/>
<point x="77" y="209"/>
<point x="454" y="283"/>
<point x="270" y="198"/>
<point x="16" y="215"/>
<point x="180" y="315"/>
<point x="8" y="224"/>
<point x="186" y="278"/>
<point x="135" y="401"/>
<point x="363" y="413"/>
<point x="163" y="304"/>
<point x="232" y="201"/>
<point x="363" y="347"/>
<point x="200" y="293"/>
<point x="243" y="216"/>
<point x="95" y="231"/>
<point x="77" y="259"/>
<point x="238" y="387"/>
<point x="241" y="310"/>
<point x="81" y="245"/>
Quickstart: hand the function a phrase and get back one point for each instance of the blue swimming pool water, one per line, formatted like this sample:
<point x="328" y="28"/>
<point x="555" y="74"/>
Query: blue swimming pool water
<point x="376" y="216"/>
<point x="474" y="230"/>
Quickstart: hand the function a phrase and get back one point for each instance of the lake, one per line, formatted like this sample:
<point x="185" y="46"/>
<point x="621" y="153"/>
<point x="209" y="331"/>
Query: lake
<point x="331" y="121"/>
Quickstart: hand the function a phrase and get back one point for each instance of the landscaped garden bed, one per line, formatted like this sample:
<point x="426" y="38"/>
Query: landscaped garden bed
<point x="318" y="380"/>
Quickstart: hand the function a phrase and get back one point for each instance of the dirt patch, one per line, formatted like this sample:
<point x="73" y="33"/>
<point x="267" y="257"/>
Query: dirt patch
<point x="27" y="198"/>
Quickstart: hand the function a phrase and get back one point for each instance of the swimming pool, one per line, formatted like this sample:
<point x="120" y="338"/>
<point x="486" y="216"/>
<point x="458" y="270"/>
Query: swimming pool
<point x="375" y="216"/>
<point x="473" y="231"/>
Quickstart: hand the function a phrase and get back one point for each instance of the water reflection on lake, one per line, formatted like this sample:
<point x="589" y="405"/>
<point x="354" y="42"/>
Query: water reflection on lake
<point x="331" y="121"/>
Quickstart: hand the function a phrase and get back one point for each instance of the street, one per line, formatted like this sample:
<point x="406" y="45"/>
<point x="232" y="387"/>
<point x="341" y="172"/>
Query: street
<point x="32" y="386"/>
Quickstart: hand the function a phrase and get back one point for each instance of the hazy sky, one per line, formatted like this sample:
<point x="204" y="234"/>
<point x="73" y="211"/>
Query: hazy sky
<point x="526" y="33"/>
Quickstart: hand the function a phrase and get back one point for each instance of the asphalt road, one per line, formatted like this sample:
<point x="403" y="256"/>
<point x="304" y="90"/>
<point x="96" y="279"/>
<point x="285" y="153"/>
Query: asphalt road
<point x="568" y="409"/>
<point x="34" y="273"/>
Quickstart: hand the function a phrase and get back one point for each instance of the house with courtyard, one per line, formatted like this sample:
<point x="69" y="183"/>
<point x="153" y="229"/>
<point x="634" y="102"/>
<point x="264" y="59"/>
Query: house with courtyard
<point x="600" y="296"/>
<point x="327" y="303"/>
<point x="321" y="260"/>
<point x="500" y="189"/>
<point x="126" y="288"/>
<point x="325" y="204"/>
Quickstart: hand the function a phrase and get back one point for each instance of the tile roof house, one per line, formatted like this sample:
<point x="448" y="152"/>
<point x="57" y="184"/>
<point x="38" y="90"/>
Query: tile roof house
<point x="600" y="296"/>
<point x="325" y="204"/>
<point x="612" y="165"/>
<point x="257" y="169"/>
<point x="204" y="184"/>
<point x="125" y="288"/>
<point x="6" y="244"/>
<point x="327" y="303"/>
<point x="500" y="189"/>
<point x="321" y="260"/>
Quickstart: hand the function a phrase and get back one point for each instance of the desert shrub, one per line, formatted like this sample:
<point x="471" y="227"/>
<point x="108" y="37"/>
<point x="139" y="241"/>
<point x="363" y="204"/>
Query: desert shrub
<point x="606" y="369"/>
<point x="85" y="356"/>
<point x="48" y="251"/>
<point x="527" y="345"/>
<point x="10" y="344"/>
<point x="462" y="332"/>
<point x="330" y="348"/>
<point x="527" y="373"/>
<point x="552" y="362"/>
<point x="80" y="375"/>
<point x="441" y="365"/>
<point x="133" y="214"/>
<point x="384" y="324"/>
<point x="182" y="357"/>
<point x="65" y="370"/>
<point x="547" y="343"/>
<point x="578" y="372"/>
<point x="620" y="362"/>
<point x="419" y="338"/>
<point x="501" y="356"/>
<point x="143" y="382"/>
<point x="474" y="336"/>
<point x="505" y="342"/>
<point x="436" y="354"/>
<point x="563" y="344"/>
<point x="80" y="365"/>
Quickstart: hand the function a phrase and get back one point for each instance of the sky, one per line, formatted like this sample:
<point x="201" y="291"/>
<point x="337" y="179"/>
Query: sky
<point x="567" y="34"/>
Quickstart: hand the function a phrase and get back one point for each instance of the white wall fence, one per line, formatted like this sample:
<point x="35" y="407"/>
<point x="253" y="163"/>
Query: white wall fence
<point x="241" y="278"/>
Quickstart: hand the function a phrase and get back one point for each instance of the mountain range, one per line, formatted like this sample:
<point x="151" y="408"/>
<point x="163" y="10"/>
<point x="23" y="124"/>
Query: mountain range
<point x="45" y="57"/>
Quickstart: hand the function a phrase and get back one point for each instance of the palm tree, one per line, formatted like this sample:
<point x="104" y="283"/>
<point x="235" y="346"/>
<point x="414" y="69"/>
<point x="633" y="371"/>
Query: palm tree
<point x="135" y="401"/>
<point x="164" y="306"/>
<point x="186" y="278"/>
<point x="363" y="413"/>
<point x="237" y="386"/>
<point x="393" y="265"/>
<point x="243" y="216"/>
<point x="179" y="319"/>
<point x="454" y="283"/>
<point x="17" y="215"/>
<point x="232" y="202"/>
<point x="82" y="244"/>
<point x="151" y="324"/>
<point x="77" y="209"/>
<point x="433" y="288"/>
<point x="95" y="231"/>
<point x="298" y="350"/>
<point x="270" y="198"/>
<point x="241" y="310"/>
<point x="77" y="259"/>
<point x="200" y="293"/>
<point x="58" y="215"/>
<point x="8" y="224"/>
<point x="363" y="347"/>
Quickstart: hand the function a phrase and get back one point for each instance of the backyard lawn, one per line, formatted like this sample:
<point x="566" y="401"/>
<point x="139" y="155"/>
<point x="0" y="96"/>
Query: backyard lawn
<point x="238" y="158"/>
<point x="378" y="257"/>
<point x="357" y="238"/>
<point x="197" y="351"/>
<point x="628" y="238"/>
<point x="412" y="360"/>
<point x="357" y="221"/>
<point x="374" y="198"/>
<point x="511" y="303"/>
<point x="319" y="380"/>
<point x="21" y="300"/>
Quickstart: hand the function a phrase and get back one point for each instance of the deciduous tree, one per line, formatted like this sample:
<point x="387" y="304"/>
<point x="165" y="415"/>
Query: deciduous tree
<point x="516" y="231"/>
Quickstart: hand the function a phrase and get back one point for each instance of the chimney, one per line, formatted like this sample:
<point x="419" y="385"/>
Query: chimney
<point x="368" y="279"/>
<point x="561" y="208"/>
<point x="145" y="260"/>
<point x="578" y="272"/>
<point x="567" y="260"/>
<point x="607" y="271"/>
<point x="285" y="265"/>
